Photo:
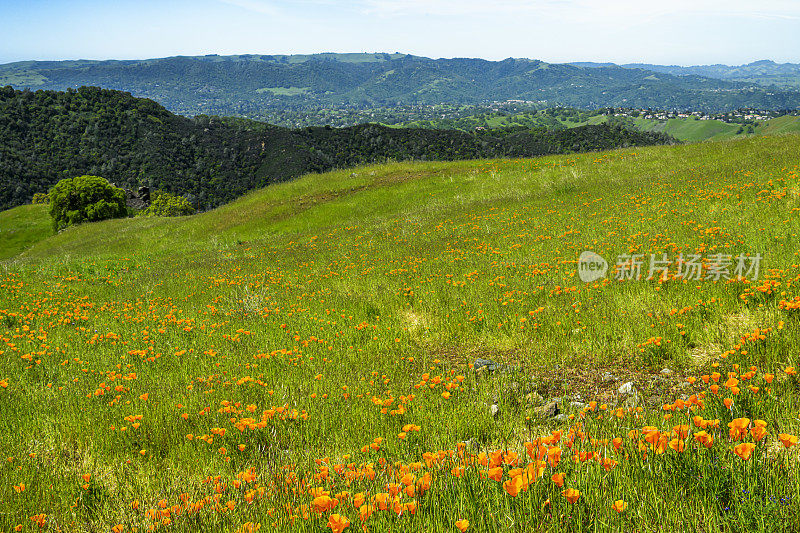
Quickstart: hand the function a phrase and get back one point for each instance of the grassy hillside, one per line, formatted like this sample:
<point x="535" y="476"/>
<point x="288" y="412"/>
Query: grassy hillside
<point x="21" y="227"/>
<point x="46" y="136"/>
<point x="304" y="357"/>
<point x="682" y="129"/>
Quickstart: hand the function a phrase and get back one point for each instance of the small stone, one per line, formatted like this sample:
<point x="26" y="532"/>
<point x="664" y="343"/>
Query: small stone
<point x="495" y="410"/>
<point x="548" y="411"/>
<point x="481" y="363"/>
<point x="627" y="388"/>
<point x="534" y="398"/>
<point x="563" y="417"/>
<point x="666" y="372"/>
<point x="608" y="377"/>
<point x="487" y="365"/>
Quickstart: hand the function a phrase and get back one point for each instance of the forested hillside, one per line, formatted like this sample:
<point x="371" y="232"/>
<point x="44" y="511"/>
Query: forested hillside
<point x="248" y="85"/>
<point x="48" y="135"/>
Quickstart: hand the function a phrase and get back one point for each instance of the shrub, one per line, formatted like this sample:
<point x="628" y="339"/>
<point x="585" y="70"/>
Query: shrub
<point x="164" y="204"/>
<point x="85" y="199"/>
<point x="40" y="198"/>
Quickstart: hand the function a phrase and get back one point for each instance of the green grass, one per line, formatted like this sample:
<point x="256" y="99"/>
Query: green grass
<point x="787" y="124"/>
<point x="318" y="322"/>
<point x="22" y="78"/>
<point x="21" y="227"/>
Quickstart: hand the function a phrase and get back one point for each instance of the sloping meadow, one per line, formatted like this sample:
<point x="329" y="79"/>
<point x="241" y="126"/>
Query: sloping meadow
<point x="313" y="357"/>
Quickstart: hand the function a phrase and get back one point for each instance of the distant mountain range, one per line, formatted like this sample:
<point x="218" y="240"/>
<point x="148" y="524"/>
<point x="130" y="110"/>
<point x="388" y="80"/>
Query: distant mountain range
<point x="244" y="85"/>
<point x="765" y="72"/>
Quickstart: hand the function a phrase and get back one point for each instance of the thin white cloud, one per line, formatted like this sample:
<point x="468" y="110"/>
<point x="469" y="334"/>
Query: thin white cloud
<point x="588" y="10"/>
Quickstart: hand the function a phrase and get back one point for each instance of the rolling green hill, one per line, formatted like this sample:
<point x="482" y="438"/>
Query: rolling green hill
<point x="686" y="129"/>
<point x="409" y="347"/>
<point x="47" y="135"/>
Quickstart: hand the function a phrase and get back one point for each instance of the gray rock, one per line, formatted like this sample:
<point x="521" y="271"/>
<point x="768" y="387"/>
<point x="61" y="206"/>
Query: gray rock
<point x="562" y="417"/>
<point x="549" y="410"/>
<point x="534" y="398"/>
<point x="487" y="365"/>
<point x="495" y="410"/>
<point x="666" y="372"/>
<point x="627" y="388"/>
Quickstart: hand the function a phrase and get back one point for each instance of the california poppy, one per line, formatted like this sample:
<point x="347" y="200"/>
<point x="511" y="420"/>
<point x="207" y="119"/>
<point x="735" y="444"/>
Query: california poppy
<point x="571" y="495"/>
<point x="338" y="523"/>
<point x="513" y="486"/>
<point x="744" y="450"/>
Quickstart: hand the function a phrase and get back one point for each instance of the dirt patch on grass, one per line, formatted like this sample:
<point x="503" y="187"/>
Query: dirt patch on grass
<point x="590" y="380"/>
<point x="401" y="176"/>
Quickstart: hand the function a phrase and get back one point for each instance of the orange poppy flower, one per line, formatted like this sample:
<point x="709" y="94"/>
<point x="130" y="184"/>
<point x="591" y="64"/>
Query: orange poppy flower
<point x="558" y="479"/>
<point x="323" y="504"/>
<point x="704" y="438"/>
<point x="738" y="428"/>
<point x="790" y="370"/>
<point x="462" y="525"/>
<point x="619" y="506"/>
<point x="338" y="523"/>
<point x="744" y="450"/>
<point x="496" y="473"/>
<point x="554" y="456"/>
<point x="677" y="445"/>
<point x="728" y="402"/>
<point x="513" y="486"/>
<point x="365" y="511"/>
<point x="571" y="495"/>
<point x="535" y="470"/>
<point x="495" y="458"/>
<point x="787" y="440"/>
<point x="758" y="432"/>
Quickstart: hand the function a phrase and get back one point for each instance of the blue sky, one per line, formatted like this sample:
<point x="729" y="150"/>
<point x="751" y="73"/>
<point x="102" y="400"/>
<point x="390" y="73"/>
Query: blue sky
<point x="683" y="32"/>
